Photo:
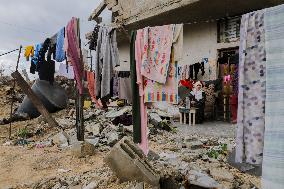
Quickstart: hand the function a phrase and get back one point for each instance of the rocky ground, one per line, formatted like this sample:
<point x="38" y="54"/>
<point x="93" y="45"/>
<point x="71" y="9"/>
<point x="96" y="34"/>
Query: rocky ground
<point x="38" y="156"/>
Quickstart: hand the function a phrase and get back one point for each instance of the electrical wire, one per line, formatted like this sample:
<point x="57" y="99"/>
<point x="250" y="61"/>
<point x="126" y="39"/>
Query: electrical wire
<point x="21" y="27"/>
<point x="9" y="52"/>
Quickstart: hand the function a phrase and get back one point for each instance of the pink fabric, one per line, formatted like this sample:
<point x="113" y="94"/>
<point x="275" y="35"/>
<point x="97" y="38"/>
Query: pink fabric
<point x="143" y="109"/>
<point x="73" y="51"/>
<point x="156" y="52"/>
<point x="227" y="79"/>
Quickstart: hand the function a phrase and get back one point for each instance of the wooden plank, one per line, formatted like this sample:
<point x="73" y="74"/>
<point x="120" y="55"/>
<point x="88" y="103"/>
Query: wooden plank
<point x="34" y="99"/>
<point x="98" y="11"/>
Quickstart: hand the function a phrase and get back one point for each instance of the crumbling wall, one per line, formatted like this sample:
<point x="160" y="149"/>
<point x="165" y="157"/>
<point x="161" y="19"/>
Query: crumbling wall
<point x="135" y="14"/>
<point x="131" y="11"/>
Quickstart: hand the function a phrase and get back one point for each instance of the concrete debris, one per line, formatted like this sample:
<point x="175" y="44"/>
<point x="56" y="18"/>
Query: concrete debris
<point x="93" y="128"/>
<point x="130" y="164"/>
<point x="191" y="157"/>
<point x="93" y="141"/>
<point x="137" y="186"/>
<point x="222" y="174"/>
<point x="155" y="119"/>
<point x="63" y="170"/>
<point x="194" y="145"/>
<point x="61" y="139"/>
<point x="200" y="179"/>
<point x="82" y="149"/>
<point x="114" y="113"/>
<point x="92" y="185"/>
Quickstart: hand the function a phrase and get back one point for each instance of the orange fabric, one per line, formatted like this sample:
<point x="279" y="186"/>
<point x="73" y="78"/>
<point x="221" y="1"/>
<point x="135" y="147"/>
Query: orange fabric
<point x="91" y="87"/>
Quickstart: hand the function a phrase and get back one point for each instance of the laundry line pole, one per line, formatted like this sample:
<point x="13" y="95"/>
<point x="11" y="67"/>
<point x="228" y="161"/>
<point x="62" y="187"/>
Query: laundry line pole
<point x="13" y="92"/>
<point x="79" y="101"/>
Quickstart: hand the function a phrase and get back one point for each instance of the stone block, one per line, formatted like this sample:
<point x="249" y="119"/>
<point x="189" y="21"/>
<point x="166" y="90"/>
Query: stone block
<point x="92" y="185"/>
<point x="200" y="179"/>
<point x="194" y="145"/>
<point x="82" y="148"/>
<point x="93" y="128"/>
<point x="222" y="174"/>
<point x="130" y="164"/>
<point x="61" y="139"/>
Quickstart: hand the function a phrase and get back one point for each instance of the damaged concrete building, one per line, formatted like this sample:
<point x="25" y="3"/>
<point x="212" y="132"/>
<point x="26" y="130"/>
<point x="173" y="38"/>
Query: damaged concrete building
<point x="211" y="30"/>
<point x="210" y="27"/>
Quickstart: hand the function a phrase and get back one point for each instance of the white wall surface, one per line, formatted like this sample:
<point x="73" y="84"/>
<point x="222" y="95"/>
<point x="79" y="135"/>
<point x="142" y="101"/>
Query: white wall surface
<point x="124" y="56"/>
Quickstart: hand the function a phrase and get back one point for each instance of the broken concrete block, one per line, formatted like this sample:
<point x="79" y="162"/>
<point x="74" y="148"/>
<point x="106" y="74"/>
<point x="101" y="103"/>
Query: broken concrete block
<point x="93" y="141"/>
<point x="137" y="186"/>
<point x="200" y="179"/>
<point x="129" y="163"/>
<point x="92" y="185"/>
<point x="61" y="139"/>
<point x="82" y="148"/>
<point x="112" y="138"/>
<point x="93" y="128"/>
<point x="222" y="174"/>
<point x="155" y="119"/>
<point x="194" y="145"/>
<point x="115" y="113"/>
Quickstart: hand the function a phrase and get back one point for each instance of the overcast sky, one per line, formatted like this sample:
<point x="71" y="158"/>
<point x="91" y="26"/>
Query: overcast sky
<point x="28" y="22"/>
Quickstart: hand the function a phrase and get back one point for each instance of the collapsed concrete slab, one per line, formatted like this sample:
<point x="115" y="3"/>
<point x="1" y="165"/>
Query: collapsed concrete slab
<point x="130" y="164"/>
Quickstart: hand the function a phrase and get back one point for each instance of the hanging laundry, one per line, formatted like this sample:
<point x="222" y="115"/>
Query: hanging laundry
<point x="138" y="50"/>
<point x="46" y="70"/>
<point x="94" y="39"/>
<point x="60" y="53"/>
<point x="115" y="83"/>
<point x="135" y="87"/>
<point x="66" y="71"/>
<point x="273" y="154"/>
<point x="125" y="89"/>
<point x="36" y="54"/>
<point x="185" y="73"/>
<point x="168" y="92"/>
<point x="29" y="52"/>
<point x="91" y="84"/>
<point x="178" y="42"/>
<point x="251" y="98"/>
<point x="107" y="58"/>
<point x="212" y="70"/>
<point x="73" y="51"/>
<point x="156" y="52"/>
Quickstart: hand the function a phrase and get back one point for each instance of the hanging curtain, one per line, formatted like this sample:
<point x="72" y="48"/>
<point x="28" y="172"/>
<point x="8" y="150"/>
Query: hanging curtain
<point x="251" y="98"/>
<point x="273" y="153"/>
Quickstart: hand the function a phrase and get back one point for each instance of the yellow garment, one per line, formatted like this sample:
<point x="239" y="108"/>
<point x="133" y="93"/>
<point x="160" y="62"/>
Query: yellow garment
<point x="29" y="52"/>
<point x="87" y="104"/>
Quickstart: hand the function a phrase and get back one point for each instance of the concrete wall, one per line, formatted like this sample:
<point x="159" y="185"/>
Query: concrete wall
<point x="200" y="41"/>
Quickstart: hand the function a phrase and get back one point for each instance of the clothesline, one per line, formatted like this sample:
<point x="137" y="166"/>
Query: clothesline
<point x="9" y="52"/>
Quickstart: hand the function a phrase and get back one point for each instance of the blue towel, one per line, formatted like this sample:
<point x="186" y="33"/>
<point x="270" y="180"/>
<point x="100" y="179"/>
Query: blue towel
<point x="36" y="54"/>
<point x="60" y="54"/>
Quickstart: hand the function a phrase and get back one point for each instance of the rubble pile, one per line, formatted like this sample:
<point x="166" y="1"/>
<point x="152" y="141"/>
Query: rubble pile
<point x="176" y="159"/>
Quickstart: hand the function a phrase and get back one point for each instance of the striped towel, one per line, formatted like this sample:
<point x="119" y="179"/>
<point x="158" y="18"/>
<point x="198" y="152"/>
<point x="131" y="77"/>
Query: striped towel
<point x="157" y="92"/>
<point x="273" y="157"/>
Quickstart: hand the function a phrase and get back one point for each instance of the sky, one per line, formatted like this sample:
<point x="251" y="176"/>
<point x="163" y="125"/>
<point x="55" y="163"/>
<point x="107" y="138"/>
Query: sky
<point x="30" y="22"/>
